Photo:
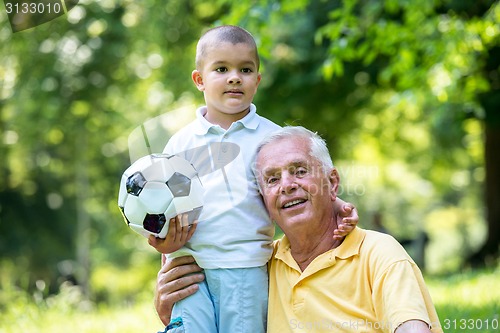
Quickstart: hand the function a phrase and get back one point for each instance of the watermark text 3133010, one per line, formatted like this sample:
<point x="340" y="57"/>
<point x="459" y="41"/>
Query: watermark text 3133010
<point x="24" y="14"/>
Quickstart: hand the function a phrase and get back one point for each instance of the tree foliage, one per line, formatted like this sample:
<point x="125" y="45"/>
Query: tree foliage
<point x="405" y="92"/>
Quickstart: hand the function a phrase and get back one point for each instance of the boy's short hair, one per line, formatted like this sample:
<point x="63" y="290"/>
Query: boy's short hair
<point x="225" y="33"/>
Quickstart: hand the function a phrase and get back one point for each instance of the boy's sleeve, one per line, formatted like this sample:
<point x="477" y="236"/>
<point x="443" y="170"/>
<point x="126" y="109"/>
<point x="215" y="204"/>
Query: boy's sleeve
<point x="169" y="146"/>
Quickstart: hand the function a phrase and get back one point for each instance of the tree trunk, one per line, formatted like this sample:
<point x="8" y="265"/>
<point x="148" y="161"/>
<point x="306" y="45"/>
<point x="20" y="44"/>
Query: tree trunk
<point x="490" y="249"/>
<point x="83" y="218"/>
<point x="490" y="101"/>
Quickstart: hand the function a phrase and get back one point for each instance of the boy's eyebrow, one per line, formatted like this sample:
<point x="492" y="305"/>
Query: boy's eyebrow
<point x="249" y="62"/>
<point x="242" y="63"/>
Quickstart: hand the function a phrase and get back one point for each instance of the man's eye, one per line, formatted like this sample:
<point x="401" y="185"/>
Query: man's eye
<point x="300" y="171"/>
<point x="221" y="69"/>
<point x="271" y="181"/>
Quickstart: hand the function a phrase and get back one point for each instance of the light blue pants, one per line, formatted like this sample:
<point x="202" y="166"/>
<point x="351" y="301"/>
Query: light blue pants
<point x="228" y="301"/>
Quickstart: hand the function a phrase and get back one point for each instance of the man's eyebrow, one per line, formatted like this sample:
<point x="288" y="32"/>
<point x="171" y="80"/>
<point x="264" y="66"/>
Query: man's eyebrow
<point x="293" y="164"/>
<point x="270" y="171"/>
<point x="298" y="163"/>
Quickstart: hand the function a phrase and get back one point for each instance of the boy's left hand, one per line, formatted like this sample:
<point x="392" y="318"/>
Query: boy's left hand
<point x="177" y="235"/>
<point x="347" y="219"/>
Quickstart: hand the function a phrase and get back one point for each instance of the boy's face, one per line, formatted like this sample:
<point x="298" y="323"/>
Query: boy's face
<point x="229" y="79"/>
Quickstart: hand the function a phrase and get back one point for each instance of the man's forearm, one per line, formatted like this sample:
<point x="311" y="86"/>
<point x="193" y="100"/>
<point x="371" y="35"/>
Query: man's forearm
<point x="413" y="326"/>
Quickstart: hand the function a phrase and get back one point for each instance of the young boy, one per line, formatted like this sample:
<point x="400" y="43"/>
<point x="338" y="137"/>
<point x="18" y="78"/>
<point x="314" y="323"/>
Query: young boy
<point x="233" y="241"/>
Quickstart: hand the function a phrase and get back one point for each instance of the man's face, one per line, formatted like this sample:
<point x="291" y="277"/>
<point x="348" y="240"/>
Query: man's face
<point x="297" y="192"/>
<point x="229" y="78"/>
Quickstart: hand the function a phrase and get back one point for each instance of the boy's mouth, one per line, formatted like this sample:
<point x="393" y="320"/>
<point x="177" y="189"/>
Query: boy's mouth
<point x="234" y="92"/>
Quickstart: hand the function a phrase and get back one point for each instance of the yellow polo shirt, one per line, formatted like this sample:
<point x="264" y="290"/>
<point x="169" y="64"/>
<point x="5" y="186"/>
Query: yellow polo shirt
<point x="367" y="284"/>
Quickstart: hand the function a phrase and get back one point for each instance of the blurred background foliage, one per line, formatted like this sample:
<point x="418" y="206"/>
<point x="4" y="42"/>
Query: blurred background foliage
<point x="407" y="94"/>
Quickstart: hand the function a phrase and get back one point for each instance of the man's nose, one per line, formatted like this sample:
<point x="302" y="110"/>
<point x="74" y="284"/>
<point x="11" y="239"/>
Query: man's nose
<point x="288" y="183"/>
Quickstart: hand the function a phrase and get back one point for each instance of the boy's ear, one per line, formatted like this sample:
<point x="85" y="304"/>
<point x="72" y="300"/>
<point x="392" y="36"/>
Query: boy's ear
<point x="198" y="80"/>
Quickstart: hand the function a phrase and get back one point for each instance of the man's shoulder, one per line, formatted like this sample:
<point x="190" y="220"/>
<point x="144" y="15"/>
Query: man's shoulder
<point x="379" y="245"/>
<point x="377" y="236"/>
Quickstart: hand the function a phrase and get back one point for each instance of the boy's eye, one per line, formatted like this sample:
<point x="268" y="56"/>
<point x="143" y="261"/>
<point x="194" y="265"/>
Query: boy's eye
<point x="246" y="70"/>
<point x="221" y="69"/>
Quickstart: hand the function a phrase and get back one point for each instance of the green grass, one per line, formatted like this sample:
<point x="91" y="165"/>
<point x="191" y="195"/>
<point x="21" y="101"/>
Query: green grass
<point x="69" y="312"/>
<point x="463" y="301"/>
<point x="468" y="301"/>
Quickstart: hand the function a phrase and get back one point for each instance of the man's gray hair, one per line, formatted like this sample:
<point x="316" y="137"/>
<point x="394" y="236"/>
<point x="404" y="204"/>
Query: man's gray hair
<point x="318" y="148"/>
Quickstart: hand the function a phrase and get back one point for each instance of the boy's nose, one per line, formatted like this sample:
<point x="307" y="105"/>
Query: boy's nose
<point x="234" y="79"/>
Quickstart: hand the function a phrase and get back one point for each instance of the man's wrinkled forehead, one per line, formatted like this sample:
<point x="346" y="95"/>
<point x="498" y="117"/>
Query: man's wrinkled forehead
<point x="301" y="157"/>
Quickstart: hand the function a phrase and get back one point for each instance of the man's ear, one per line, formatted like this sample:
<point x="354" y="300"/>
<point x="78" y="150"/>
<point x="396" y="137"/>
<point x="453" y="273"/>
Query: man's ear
<point x="334" y="178"/>
<point x="198" y="80"/>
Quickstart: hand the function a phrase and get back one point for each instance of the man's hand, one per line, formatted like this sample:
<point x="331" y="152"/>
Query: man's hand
<point x="177" y="235"/>
<point x="347" y="218"/>
<point x="172" y="284"/>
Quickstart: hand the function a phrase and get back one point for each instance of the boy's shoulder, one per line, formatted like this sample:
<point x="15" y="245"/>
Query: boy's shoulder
<point x="265" y="124"/>
<point x="181" y="138"/>
<point x="268" y="122"/>
<point x="188" y="129"/>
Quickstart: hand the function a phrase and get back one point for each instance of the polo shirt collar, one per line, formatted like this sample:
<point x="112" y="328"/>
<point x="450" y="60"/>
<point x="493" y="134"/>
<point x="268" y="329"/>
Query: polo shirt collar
<point x="351" y="244"/>
<point x="284" y="254"/>
<point x="250" y="121"/>
<point x="350" y="247"/>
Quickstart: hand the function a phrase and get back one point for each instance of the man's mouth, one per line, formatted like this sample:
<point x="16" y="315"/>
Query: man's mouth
<point x="293" y="203"/>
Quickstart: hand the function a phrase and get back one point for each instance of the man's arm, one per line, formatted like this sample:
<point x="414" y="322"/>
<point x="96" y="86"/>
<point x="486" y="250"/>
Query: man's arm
<point x="413" y="326"/>
<point x="172" y="284"/>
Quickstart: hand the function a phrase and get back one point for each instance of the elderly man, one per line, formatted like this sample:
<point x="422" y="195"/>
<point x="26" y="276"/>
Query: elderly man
<point x="363" y="283"/>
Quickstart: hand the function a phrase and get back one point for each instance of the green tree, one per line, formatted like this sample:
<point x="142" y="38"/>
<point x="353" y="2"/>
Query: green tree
<point x="71" y="92"/>
<point x="366" y="56"/>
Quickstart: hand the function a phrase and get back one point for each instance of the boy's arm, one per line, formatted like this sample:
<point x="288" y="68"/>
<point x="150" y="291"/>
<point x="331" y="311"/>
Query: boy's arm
<point x="347" y="218"/>
<point x="176" y="237"/>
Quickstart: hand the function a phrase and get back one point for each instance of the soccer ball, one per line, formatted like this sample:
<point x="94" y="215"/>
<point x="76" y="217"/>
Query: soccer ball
<point x="156" y="188"/>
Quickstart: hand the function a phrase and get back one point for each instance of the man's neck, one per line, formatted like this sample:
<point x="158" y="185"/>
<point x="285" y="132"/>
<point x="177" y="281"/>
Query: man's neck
<point x="305" y="250"/>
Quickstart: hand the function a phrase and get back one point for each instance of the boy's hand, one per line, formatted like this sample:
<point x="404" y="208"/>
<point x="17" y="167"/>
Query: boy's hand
<point x="177" y="235"/>
<point x="347" y="219"/>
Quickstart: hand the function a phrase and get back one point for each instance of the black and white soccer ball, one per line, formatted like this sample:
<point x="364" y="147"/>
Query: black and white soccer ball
<point x="156" y="188"/>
